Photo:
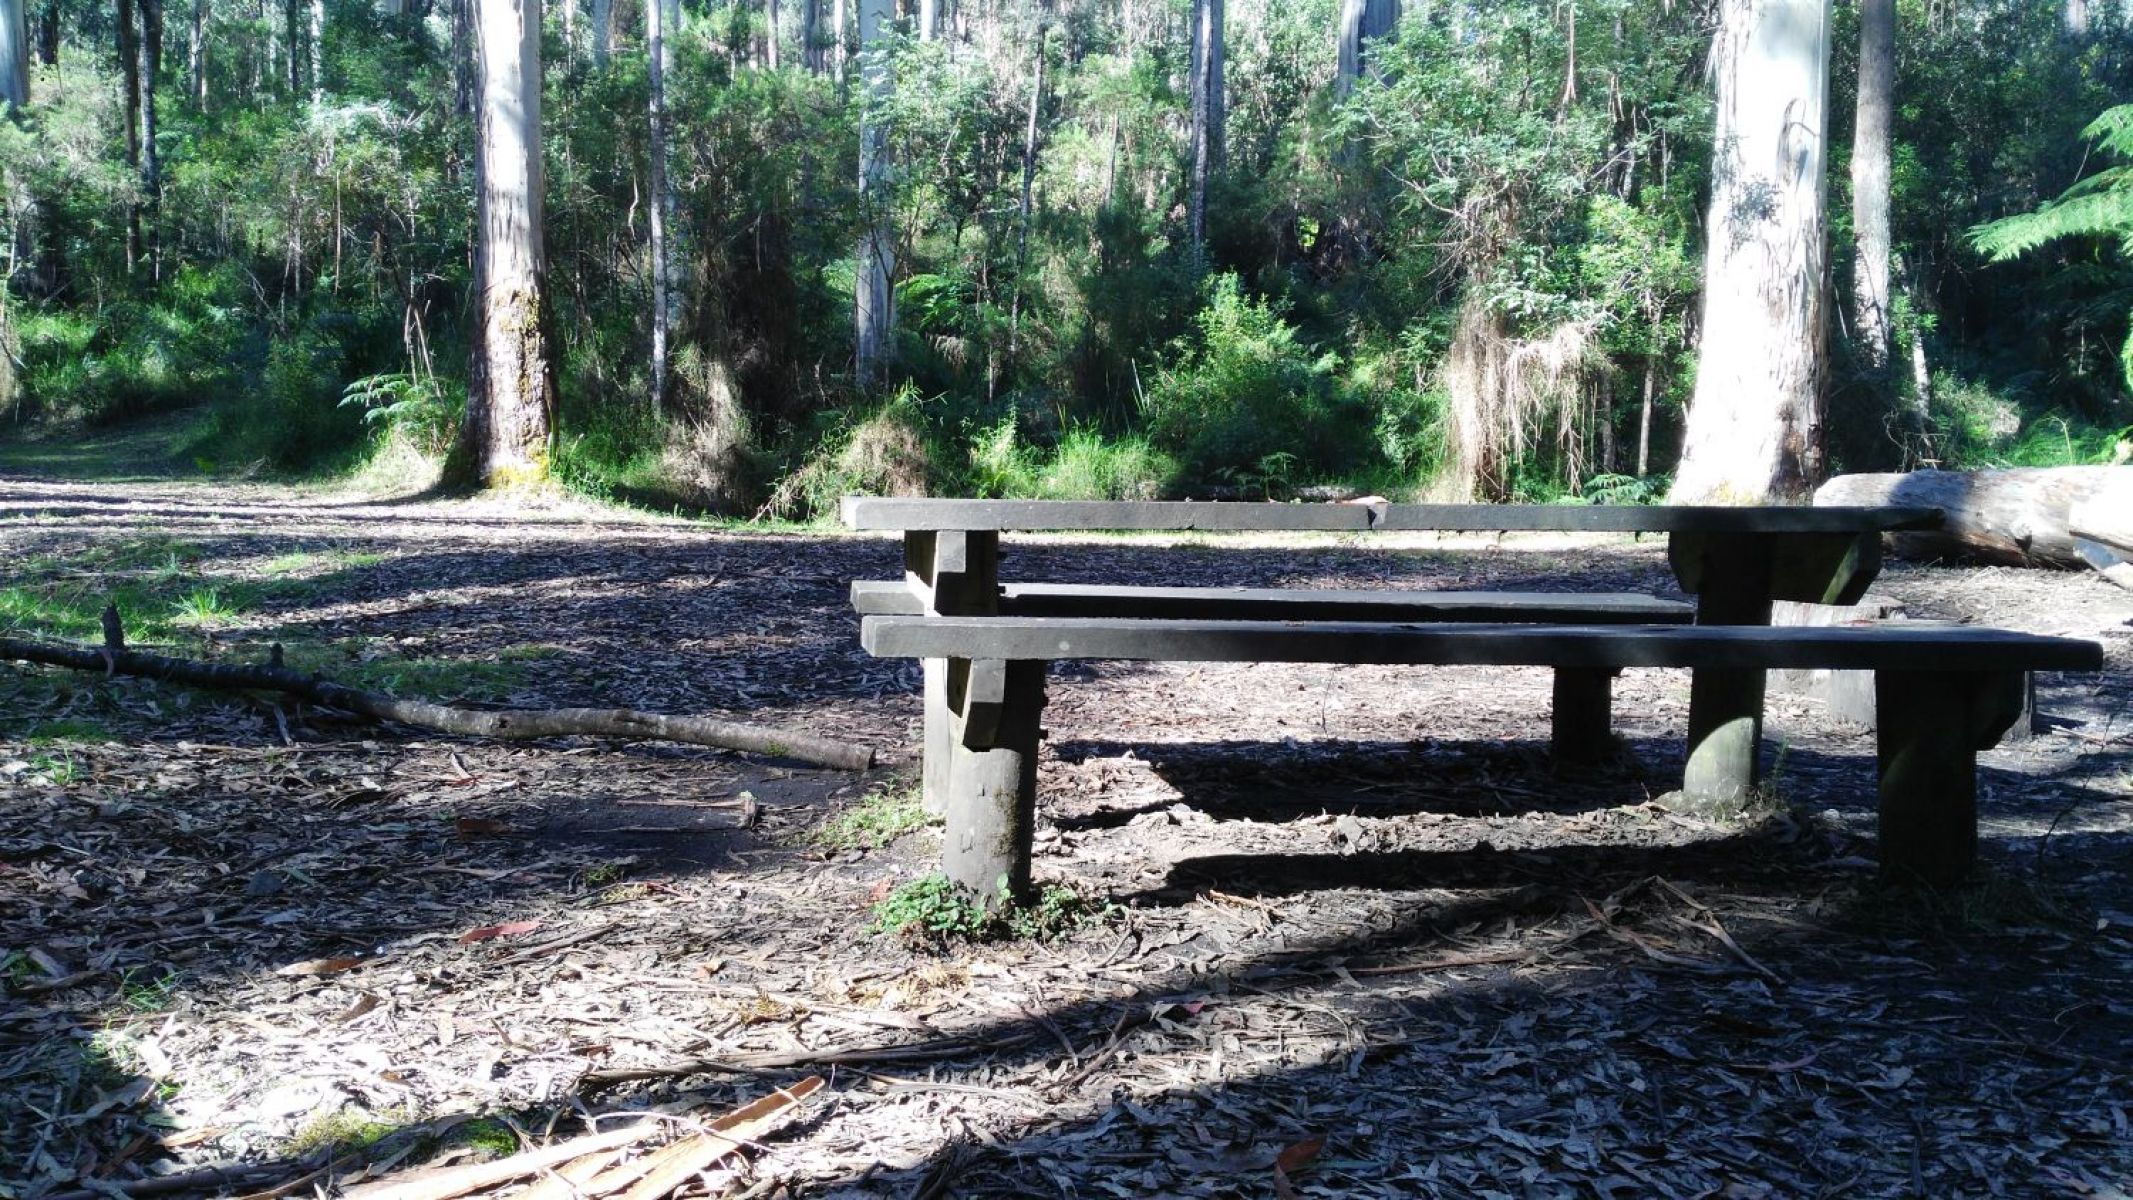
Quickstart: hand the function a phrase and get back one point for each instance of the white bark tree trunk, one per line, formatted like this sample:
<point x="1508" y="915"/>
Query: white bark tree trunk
<point x="603" y="31"/>
<point x="929" y="20"/>
<point x="14" y="54"/>
<point x="840" y="49"/>
<point x="196" y="58"/>
<point x="1870" y="180"/>
<point x="1755" y="424"/>
<point x="1207" y="113"/>
<point x="873" y="312"/>
<point x="658" y="15"/>
<point x="318" y="52"/>
<point x="511" y="395"/>
<point x="1361" y="22"/>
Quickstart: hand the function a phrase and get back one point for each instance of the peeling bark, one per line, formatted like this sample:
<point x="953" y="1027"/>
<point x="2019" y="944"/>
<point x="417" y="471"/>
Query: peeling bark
<point x="511" y="394"/>
<point x="1755" y="424"/>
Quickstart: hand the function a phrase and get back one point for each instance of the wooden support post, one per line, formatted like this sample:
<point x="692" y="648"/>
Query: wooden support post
<point x="1583" y="715"/>
<point x="958" y="574"/>
<point x="1930" y="726"/>
<point x="992" y="784"/>
<point x="1732" y="577"/>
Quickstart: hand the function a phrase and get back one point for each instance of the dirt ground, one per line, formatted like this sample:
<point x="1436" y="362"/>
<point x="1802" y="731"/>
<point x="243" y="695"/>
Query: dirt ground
<point x="1358" y="927"/>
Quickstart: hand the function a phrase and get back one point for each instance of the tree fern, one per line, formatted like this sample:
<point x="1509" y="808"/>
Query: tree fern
<point x="2099" y="206"/>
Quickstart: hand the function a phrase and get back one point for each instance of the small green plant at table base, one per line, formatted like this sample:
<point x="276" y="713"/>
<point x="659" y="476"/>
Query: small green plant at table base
<point x="877" y="819"/>
<point x="932" y="911"/>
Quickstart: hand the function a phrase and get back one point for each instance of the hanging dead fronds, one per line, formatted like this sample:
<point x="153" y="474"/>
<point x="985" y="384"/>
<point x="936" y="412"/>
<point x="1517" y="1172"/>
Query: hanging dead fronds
<point x="1507" y="391"/>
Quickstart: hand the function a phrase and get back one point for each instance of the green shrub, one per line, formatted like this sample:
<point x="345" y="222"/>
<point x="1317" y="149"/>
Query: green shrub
<point x="1085" y="465"/>
<point x="423" y="410"/>
<point x="1246" y="389"/>
<point x="886" y="451"/>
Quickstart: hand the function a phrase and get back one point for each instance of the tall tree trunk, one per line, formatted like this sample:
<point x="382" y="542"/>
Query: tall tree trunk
<point x="874" y="316"/>
<point x="929" y="20"/>
<point x="839" y="48"/>
<point x="1870" y="182"/>
<point x="603" y="31"/>
<point x="811" y="35"/>
<point x="771" y="21"/>
<point x="48" y="34"/>
<point x="14" y="55"/>
<point x="1361" y="22"/>
<point x="465" y="70"/>
<point x="1755" y="424"/>
<point x="1029" y="180"/>
<point x="318" y="52"/>
<point x="150" y="47"/>
<point x="196" y="58"/>
<point x="658" y="14"/>
<point x="129" y="55"/>
<point x="1207" y="114"/>
<point x="293" y="22"/>
<point x="511" y="384"/>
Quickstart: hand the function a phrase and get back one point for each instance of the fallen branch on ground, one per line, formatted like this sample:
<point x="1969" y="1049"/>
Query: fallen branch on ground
<point x="832" y="1056"/>
<point x="510" y="724"/>
<point x="582" y="1166"/>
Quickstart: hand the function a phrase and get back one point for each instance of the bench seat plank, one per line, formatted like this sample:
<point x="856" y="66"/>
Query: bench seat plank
<point x="1617" y="646"/>
<point x="884" y="597"/>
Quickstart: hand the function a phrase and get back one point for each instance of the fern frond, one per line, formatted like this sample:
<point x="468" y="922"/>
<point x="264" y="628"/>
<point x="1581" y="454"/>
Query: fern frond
<point x="2097" y="212"/>
<point x="2113" y="130"/>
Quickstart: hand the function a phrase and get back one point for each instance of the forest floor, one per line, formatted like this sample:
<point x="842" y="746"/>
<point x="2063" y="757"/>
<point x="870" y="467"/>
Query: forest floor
<point x="1351" y="937"/>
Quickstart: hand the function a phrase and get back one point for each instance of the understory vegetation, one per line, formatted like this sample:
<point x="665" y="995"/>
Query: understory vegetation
<point x="1497" y="229"/>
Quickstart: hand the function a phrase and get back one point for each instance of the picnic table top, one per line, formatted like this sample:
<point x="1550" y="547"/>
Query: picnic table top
<point x="923" y="514"/>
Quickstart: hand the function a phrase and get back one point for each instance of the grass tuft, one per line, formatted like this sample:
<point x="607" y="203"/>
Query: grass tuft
<point x="932" y="912"/>
<point x="874" y="821"/>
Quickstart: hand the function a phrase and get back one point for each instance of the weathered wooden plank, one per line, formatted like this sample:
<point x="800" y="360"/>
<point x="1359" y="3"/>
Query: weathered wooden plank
<point x="890" y="598"/>
<point x="866" y="512"/>
<point x="893" y="513"/>
<point x="1640" y="518"/>
<point x="953" y="572"/>
<point x="1743" y="647"/>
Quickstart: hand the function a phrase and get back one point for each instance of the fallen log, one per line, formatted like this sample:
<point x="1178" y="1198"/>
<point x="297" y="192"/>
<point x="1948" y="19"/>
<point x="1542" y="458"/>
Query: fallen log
<point x="2022" y="516"/>
<point x="508" y="724"/>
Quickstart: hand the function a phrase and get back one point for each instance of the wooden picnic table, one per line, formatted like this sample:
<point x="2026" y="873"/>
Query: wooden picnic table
<point x="1736" y="561"/>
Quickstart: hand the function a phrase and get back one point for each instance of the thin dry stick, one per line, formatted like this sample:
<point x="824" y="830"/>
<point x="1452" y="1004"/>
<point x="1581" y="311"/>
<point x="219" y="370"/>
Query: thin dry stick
<point x="509" y="724"/>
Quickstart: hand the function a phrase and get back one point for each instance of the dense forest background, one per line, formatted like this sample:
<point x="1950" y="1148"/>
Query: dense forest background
<point x="261" y="211"/>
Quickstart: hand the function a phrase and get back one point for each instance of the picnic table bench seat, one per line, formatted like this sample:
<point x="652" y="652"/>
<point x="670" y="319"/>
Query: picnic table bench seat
<point x="887" y="597"/>
<point x="1943" y="693"/>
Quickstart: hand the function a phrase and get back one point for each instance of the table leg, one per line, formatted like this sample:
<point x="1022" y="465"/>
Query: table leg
<point x="992" y="788"/>
<point x="1582" y="715"/>
<point x="1732" y="576"/>
<point x="958" y="572"/>
<point x="1929" y="726"/>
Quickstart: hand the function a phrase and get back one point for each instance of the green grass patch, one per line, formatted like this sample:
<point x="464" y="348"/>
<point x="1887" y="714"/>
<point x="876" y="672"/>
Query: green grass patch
<point x="308" y="563"/>
<point x="153" y="581"/>
<point x="875" y="820"/>
<point x="489" y="1135"/>
<point x="931" y="911"/>
<point x="143" y="991"/>
<point x="347" y="1129"/>
<point x="68" y="731"/>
